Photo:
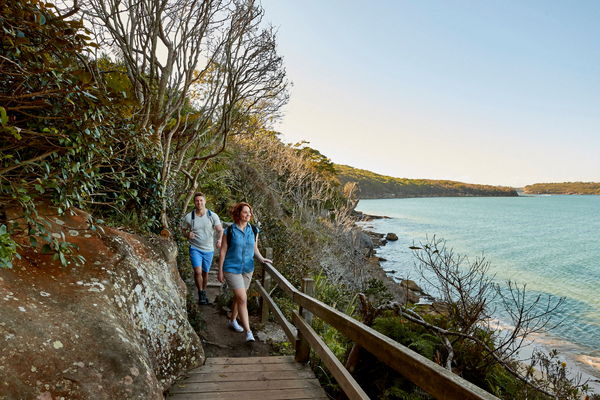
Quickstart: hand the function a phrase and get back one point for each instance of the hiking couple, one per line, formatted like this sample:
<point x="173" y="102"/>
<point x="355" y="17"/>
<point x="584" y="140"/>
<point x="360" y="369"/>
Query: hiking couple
<point x="237" y="251"/>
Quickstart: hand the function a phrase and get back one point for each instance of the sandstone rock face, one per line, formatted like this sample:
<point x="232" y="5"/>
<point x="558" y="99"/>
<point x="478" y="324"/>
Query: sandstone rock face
<point x="114" y="328"/>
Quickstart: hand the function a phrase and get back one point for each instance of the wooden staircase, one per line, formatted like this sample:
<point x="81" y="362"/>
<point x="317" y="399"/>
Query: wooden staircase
<point x="212" y="278"/>
<point x="262" y="378"/>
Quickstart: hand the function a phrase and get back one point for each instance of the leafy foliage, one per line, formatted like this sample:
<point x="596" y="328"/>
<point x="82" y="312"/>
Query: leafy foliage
<point x="376" y="290"/>
<point x="213" y="72"/>
<point x="8" y="247"/>
<point x="65" y="136"/>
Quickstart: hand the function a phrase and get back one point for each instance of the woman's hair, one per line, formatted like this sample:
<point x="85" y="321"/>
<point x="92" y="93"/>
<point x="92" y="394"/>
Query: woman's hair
<point x="237" y="211"/>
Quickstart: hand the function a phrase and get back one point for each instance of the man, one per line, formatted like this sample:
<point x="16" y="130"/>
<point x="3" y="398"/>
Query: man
<point x="199" y="227"/>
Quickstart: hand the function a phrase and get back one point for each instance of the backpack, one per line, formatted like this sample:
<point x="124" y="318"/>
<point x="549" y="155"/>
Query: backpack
<point x="230" y="233"/>
<point x="193" y="214"/>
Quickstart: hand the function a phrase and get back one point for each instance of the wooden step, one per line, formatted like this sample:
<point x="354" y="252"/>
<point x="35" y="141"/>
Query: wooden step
<point x="261" y="378"/>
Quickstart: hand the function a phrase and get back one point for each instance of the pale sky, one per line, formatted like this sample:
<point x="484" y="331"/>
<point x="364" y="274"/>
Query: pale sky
<point x="491" y="92"/>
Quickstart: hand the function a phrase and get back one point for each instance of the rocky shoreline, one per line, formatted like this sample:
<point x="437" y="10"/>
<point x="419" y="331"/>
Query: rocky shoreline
<point x="404" y="291"/>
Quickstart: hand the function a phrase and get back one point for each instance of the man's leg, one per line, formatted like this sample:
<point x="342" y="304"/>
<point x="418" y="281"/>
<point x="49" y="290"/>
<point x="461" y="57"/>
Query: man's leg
<point x="207" y="257"/>
<point x="196" y="259"/>
<point x="204" y="280"/>
<point x="198" y="278"/>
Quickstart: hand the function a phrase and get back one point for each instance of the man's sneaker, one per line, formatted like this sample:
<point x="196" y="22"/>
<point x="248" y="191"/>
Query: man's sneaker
<point x="205" y="297"/>
<point x="202" y="299"/>
<point x="249" y="336"/>
<point x="235" y="326"/>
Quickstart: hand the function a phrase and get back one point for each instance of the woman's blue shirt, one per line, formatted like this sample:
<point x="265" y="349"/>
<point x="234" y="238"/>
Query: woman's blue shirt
<point x="240" y="253"/>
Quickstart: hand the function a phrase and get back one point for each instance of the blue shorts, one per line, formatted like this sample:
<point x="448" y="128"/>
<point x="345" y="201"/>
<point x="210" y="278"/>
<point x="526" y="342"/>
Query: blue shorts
<point x="201" y="258"/>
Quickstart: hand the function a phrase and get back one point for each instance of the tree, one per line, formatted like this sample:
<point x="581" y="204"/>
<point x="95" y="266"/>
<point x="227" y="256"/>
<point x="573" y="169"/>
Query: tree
<point x="62" y="135"/>
<point x="267" y="165"/>
<point x="471" y="292"/>
<point x="199" y="71"/>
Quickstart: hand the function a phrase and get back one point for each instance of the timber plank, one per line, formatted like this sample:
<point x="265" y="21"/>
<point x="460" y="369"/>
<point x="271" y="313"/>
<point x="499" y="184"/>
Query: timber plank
<point x="250" y="376"/>
<point x="277" y="394"/>
<point x="289" y="329"/>
<point x="250" y="360"/>
<point x="231" y="368"/>
<point x="339" y="372"/>
<point x="184" y="387"/>
<point x="433" y="378"/>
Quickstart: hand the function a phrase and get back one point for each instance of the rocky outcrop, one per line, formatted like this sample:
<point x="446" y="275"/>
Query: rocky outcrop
<point x="391" y="237"/>
<point x="113" y="328"/>
<point x="412" y="290"/>
<point x="366" y="244"/>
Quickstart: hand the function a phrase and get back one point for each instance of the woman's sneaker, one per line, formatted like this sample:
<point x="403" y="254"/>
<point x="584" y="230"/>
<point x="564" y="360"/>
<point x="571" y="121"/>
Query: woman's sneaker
<point x="249" y="336"/>
<point x="235" y="326"/>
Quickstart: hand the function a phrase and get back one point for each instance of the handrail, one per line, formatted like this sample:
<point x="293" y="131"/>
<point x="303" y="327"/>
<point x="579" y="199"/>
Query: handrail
<point x="429" y="376"/>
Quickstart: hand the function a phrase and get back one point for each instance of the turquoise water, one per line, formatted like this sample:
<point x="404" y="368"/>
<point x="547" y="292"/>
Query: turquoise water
<point x="549" y="243"/>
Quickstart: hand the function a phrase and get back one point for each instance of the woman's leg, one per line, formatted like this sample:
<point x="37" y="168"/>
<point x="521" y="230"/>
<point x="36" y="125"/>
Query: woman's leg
<point x="240" y="302"/>
<point x="234" y="308"/>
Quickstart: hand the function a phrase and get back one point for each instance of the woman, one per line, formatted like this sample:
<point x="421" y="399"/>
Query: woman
<point x="236" y="264"/>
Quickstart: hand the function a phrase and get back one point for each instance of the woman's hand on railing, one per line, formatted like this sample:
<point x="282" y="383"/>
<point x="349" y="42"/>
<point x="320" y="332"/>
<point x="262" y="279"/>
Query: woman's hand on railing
<point x="265" y="260"/>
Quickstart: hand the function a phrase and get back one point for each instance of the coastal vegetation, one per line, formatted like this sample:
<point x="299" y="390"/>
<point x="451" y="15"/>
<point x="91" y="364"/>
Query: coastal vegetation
<point x="563" y="188"/>
<point x="376" y="186"/>
<point x="129" y="137"/>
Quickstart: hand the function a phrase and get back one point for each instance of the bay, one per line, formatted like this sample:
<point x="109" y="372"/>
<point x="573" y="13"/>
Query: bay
<point x="549" y="243"/>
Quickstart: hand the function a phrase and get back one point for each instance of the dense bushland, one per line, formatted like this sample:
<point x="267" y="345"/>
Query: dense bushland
<point x="65" y="136"/>
<point x="563" y="188"/>
<point x="373" y="186"/>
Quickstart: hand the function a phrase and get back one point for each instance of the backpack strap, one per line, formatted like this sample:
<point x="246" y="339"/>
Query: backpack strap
<point x="229" y="235"/>
<point x="212" y="221"/>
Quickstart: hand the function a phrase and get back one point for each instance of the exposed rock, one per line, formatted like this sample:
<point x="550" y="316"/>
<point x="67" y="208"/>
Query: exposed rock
<point x="360" y="216"/>
<point x="391" y="236"/>
<point x="114" y="328"/>
<point x="411" y="285"/>
<point x="413" y="291"/>
<point x="436" y="309"/>
<point x="365" y="240"/>
<point x="376" y="238"/>
<point x="366" y="244"/>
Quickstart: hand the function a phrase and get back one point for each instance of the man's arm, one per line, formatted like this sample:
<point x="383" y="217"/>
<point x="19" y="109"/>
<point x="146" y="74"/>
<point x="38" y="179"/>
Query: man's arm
<point x="219" y="230"/>
<point x="185" y="232"/>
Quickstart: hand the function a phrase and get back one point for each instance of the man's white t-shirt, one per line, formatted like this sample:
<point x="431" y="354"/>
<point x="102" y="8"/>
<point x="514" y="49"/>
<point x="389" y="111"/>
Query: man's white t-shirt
<point x="203" y="228"/>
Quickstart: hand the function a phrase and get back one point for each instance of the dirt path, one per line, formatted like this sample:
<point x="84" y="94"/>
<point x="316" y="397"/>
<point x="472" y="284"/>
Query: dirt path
<point x="222" y="341"/>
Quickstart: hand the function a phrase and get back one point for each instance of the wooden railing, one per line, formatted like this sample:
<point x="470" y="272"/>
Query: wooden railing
<point x="429" y="376"/>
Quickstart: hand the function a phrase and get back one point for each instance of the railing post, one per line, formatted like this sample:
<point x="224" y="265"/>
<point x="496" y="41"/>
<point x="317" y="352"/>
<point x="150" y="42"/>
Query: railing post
<point x="266" y="283"/>
<point x="302" y="345"/>
<point x="269" y="253"/>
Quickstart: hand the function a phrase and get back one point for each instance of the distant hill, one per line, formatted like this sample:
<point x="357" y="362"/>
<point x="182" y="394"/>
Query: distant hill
<point x="563" y="188"/>
<point x="375" y="186"/>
